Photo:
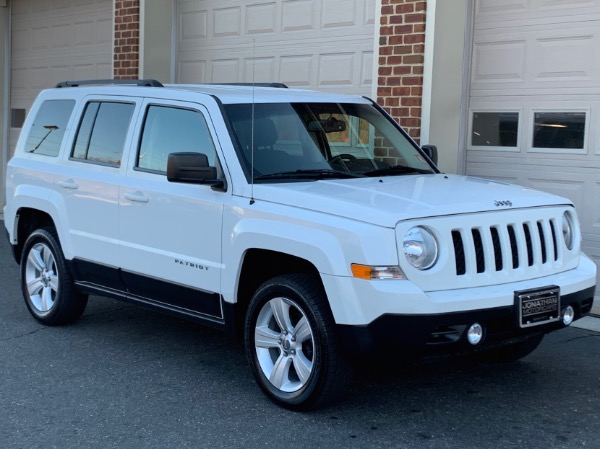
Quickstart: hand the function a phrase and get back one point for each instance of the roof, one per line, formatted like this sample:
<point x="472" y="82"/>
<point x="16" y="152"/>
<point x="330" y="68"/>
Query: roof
<point x="231" y="94"/>
<point x="226" y="93"/>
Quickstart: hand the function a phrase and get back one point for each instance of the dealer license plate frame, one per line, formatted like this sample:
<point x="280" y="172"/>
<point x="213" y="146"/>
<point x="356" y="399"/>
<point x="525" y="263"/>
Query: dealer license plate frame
<point x="538" y="306"/>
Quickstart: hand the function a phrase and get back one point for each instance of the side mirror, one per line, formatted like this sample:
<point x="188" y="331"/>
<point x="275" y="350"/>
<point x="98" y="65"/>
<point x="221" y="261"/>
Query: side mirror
<point x="431" y="152"/>
<point x="192" y="168"/>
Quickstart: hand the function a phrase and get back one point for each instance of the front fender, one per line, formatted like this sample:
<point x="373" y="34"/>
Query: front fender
<point x="330" y="244"/>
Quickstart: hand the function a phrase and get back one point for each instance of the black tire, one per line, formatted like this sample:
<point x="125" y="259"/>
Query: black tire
<point x="295" y="356"/>
<point x="511" y="352"/>
<point x="47" y="283"/>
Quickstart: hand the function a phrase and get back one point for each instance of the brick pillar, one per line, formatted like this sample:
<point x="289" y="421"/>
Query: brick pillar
<point x="401" y="57"/>
<point x="127" y="39"/>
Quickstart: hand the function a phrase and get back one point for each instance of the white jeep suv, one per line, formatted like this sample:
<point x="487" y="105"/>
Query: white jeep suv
<point x="308" y="223"/>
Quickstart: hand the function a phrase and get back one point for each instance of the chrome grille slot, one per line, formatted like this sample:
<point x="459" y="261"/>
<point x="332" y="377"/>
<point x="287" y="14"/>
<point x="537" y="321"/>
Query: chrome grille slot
<point x="529" y="244"/>
<point x="554" y="241"/>
<point x="497" y="248"/>
<point x="542" y="240"/>
<point x="459" y="253"/>
<point x="479" y="254"/>
<point x="513" y="246"/>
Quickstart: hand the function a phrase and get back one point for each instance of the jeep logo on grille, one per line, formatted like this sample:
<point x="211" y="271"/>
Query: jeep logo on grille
<point x="502" y="203"/>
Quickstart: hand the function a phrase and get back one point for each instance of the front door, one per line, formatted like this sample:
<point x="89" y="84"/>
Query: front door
<point x="171" y="232"/>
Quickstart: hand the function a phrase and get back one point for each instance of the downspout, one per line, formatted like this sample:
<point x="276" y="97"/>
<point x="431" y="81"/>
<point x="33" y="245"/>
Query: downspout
<point x="376" y="36"/>
<point x="5" y="102"/>
<point x="428" y="70"/>
<point x="466" y="88"/>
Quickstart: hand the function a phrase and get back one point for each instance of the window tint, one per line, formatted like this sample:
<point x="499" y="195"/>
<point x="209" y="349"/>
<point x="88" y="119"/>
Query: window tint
<point x="173" y="130"/>
<point x="559" y="130"/>
<point x="48" y="129"/>
<point x="102" y="132"/>
<point x="495" y="129"/>
<point x="350" y="138"/>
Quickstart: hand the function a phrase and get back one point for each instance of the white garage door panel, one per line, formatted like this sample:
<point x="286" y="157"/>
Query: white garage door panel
<point x="537" y="61"/>
<point x="325" y="44"/>
<point x="541" y="55"/>
<point x="492" y="13"/>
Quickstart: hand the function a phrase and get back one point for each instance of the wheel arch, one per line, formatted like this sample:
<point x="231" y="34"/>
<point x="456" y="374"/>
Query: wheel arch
<point x="259" y="265"/>
<point x="28" y="220"/>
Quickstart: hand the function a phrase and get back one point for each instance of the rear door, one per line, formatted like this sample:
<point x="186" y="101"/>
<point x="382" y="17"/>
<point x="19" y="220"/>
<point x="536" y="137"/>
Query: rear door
<point x="171" y="232"/>
<point x="88" y="185"/>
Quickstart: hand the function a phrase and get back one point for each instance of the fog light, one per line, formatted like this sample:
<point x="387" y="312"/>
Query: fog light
<point x="475" y="334"/>
<point x="568" y="315"/>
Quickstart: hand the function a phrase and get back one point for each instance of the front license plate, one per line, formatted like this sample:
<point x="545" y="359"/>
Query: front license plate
<point x="539" y="306"/>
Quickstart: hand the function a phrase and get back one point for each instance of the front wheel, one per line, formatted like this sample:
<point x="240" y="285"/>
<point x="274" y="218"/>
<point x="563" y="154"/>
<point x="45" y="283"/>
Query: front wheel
<point x="292" y="346"/>
<point x="46" y="281"/>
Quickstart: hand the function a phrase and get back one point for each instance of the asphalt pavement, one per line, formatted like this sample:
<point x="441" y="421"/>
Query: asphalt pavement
<point x="125" y="377"/>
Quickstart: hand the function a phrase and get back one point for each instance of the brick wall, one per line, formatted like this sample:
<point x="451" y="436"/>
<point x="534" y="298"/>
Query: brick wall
<point x="401" y="56"/>
<point x="127" y="39"/>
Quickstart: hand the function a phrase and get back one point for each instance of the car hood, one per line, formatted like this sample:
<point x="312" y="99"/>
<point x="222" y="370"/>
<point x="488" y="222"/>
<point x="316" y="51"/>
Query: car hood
<point x="385" y="201"/>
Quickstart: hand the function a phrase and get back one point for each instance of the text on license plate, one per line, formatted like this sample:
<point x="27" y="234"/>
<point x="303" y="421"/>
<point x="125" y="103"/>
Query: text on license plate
<point x="538" y="306"/>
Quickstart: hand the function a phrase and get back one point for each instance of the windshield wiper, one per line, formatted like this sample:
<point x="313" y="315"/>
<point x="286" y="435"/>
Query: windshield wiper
<point x="397" y="170"/>
<point x="308" y="174"/>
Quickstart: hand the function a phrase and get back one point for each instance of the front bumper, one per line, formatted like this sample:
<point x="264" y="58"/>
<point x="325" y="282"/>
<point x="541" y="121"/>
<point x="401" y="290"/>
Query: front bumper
<point x="446" y="333"/>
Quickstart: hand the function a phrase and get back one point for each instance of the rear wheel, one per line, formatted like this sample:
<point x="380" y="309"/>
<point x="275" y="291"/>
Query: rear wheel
<point x="46" y="281"/>
<point x="292" y="346"/>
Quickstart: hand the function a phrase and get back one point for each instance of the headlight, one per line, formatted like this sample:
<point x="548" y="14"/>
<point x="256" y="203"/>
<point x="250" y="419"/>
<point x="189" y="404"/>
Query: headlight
<point x="420" y="248"/>
<point x="568" y="230"/>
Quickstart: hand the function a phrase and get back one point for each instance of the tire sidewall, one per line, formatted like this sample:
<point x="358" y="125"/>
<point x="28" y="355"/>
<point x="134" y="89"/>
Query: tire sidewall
<point x="44" y="237"/>
<point x="280" y="287"/>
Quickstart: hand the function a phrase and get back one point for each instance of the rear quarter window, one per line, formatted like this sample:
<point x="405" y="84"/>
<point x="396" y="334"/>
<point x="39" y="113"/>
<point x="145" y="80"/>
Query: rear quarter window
<point x="48" y="129"/>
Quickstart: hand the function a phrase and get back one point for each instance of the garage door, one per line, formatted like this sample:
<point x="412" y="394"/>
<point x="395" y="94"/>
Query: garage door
<point x="324" y="44"/>
<point x="534" y="116"/>
<point x="55" y="41"/>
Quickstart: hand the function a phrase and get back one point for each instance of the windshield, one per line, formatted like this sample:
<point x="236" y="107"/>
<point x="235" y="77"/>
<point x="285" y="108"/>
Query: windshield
<point x="302" y="141"/>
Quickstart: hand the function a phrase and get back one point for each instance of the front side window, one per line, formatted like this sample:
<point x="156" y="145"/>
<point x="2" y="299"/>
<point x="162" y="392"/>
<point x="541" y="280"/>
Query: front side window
<point x="102" y="132"/>
<point x="309" y="140"/>
<point x="172" y="130"/>
<point x="48" y="128"/>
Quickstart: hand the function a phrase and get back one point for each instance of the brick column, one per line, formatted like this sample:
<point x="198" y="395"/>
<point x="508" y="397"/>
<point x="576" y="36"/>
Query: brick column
<point x="127" y="39"/>
<point x="401" y="57"/>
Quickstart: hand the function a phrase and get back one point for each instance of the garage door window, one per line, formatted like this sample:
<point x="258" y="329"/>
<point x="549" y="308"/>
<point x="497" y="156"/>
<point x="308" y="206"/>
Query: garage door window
<point x="559" y="131"/>
<point x="495" y="130"/>
<point x="48" y="129"/>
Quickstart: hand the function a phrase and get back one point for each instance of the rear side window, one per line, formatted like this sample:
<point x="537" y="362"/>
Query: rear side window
<point x="102" y="132"/>
<point x="48" y="129"/>
<point x="171" y="130"/>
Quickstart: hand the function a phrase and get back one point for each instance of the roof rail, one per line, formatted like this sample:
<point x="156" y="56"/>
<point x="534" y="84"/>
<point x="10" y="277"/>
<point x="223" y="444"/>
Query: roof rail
<point x="146" y="82"/>
<point x="276" y="85"/>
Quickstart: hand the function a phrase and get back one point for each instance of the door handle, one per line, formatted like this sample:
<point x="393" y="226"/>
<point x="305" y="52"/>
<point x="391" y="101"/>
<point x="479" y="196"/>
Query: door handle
<point x="137" y="197"/>
<point x="68" y="184"/>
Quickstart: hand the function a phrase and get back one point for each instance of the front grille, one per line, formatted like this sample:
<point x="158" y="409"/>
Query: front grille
<point x="484" y="249"/>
